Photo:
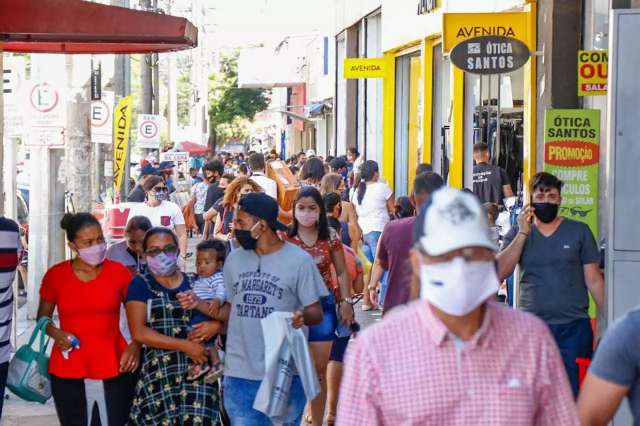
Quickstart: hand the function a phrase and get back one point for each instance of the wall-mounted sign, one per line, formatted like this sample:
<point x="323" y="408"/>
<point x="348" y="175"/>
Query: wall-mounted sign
<point x="426" y="6"/>
<point x="101" y="114"/>
<point x="490" y="55"/>
<point x="149" y="131"/>
<point x="365" y="68"/>
<point x="45" y="115"/>
<point x="458" y="27"/>
<point x="175" y="156"/>
<point x="572" y="153"/>
<point x="121" y="128"/>
<point x="593" y="72"/>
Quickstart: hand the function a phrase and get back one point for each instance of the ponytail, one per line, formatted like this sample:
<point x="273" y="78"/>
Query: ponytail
<point x="368" y="171"/>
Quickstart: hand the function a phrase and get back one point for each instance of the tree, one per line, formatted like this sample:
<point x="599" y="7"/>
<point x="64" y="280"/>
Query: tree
<point x="185" y="99"/>
<point x="231" y="107"/>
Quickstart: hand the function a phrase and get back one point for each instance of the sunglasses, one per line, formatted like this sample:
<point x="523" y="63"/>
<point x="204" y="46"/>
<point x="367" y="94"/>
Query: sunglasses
<point x="156" y="251"/>
<point x="159" y="188"/>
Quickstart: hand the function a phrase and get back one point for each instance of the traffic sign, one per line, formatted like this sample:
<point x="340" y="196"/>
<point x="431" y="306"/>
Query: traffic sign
<point x="45" y="115"/>
<point x="149" y="131"/>
<point x="102" y="118"/>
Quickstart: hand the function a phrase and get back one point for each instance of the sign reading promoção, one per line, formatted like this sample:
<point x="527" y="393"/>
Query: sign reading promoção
<point x="572" y="153"/>
<point x="490" y="55"/>
<point x="593" y="72"/>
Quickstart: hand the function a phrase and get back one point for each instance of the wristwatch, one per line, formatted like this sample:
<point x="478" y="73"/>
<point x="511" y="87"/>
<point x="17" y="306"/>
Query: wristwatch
<point x="348" y="300"/>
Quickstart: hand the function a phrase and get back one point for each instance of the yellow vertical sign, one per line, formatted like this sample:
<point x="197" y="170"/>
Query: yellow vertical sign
<point x="121" y="127"/>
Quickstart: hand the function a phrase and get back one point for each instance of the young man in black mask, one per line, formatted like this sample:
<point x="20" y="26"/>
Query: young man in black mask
<point x="559" y="266"/>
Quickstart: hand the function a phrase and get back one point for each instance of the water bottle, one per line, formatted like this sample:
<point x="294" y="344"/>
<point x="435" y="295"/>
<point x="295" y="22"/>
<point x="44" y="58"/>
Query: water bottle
<point x="343" y="330"/>
<point x="75" y="344"/>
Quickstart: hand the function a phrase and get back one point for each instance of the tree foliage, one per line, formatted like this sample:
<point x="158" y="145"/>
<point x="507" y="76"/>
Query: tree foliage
<point x="232" y="108"/>
<point x="185" y="99"/>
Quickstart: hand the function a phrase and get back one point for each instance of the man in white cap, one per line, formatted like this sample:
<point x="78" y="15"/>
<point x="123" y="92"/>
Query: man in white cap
<point x="455" y="357"/>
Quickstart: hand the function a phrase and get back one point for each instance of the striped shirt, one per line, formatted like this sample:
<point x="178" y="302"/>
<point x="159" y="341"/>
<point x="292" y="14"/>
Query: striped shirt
<point x="10" y="250"/>
<point x="209" y="288"/>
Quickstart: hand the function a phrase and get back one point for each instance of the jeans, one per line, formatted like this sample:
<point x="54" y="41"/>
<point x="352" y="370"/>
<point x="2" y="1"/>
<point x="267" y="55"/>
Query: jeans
<point x="239" y="395"/>
<point x="370" y="244"/>
<point x="575" y="340"/>
<point x="384" y="281"/>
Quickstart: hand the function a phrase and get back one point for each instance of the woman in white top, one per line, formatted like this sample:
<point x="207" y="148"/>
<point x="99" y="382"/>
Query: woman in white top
<point x="162" y="212"/>
<point x="375" y="204"/>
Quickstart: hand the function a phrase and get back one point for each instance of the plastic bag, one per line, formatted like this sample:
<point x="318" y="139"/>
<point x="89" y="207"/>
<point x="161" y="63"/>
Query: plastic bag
<point x="286" y="353"/>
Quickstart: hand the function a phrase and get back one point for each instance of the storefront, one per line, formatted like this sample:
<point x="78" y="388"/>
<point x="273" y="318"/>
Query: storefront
<point x="434" y="112"/>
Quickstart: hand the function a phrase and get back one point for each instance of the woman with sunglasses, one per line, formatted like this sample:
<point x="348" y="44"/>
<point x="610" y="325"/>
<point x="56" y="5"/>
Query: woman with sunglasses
<point x="162" y="212"/>
<point x="90" y="363"/>
<point x="163" y="395"/>
<point x="240" y="186"/>
<point x="310" y="231"/>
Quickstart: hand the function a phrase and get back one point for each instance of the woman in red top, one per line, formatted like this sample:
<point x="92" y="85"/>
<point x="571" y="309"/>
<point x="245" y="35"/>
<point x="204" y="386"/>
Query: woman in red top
<point x="311" y="232"/>
<point x="88" y="292"/>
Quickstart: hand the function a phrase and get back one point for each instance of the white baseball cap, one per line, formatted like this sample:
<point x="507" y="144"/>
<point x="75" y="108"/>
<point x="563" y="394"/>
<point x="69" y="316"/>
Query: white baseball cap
<point x="452" y="220"/>
<point x="310" y="153"/>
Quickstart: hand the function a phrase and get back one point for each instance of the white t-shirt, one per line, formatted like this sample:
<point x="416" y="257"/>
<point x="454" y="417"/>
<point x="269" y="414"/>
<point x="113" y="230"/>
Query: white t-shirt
<point x="269" y="185"/>
<point x="166" y="215"/>
<point x="373" y="214"/>
<point x="357" y="164"/>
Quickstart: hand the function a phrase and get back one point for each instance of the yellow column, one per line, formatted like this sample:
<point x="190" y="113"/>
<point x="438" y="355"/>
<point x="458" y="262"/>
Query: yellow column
<point x="388" y="120"/>
<point x="530" y="100"/>
<point x="414" y="100"/>
<point x="427" y="99"/>
<point x="455" y="148"/>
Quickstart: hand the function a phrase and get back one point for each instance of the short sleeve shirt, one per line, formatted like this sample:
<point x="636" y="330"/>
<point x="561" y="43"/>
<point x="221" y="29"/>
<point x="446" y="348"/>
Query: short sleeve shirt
<point x="393" y="252"/>
<point x="285" y="281"/>
<point x="91" y="312"/>
<point x="488" y="181"/>
<point x="166" y="215"/>
<point x="617" y="359"/>
<point x="552" y="283"/>
<point x="373" y="214"/>
<point x="321" y="254"/>
<point x="200" y="192"/>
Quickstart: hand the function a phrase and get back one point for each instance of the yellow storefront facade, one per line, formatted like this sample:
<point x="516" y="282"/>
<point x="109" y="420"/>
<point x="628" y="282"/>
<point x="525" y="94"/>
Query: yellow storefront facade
<point x="432" y="112"/>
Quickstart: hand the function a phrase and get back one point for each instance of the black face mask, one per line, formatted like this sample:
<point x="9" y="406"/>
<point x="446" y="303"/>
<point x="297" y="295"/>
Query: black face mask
<point x="546" y="212"/>
<point x="245" y="239"/>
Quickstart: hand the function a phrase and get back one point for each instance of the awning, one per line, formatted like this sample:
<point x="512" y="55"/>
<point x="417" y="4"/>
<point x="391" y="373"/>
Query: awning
<point x="74" y="26"/>
<point x="194" y="149"/>
<point x="318" y="109"/>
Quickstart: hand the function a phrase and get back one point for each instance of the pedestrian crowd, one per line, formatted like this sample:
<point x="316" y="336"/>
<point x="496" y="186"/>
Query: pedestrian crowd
<point x="160" y="346"/>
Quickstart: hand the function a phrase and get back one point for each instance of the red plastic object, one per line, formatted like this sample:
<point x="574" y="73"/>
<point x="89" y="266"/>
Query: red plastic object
<point x="116" y="222"/>
<point x="583" y="366"/>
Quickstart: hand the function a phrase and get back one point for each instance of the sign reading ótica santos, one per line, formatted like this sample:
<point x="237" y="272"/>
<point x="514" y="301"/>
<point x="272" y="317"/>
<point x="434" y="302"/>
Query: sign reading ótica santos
<point x="490" y="55"/>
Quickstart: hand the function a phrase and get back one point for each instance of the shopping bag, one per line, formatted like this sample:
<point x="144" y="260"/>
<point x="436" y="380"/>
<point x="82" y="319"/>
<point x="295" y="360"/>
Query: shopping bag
<point x="366" y="264"/>
<point x="28" y="376"/>
<point x="286" y="353"/>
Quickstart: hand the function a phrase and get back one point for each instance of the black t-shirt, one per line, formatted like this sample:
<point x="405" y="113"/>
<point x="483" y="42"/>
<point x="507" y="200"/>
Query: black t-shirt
<point x="137" y="195"/>
<point x="488" y="181"/>
<point x="214" y="193"/>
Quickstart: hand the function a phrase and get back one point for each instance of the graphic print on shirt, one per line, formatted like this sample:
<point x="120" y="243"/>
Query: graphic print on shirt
<point x="258" y="290"/>
<point x="457" y="212"/>
<point x="165" y="220"/>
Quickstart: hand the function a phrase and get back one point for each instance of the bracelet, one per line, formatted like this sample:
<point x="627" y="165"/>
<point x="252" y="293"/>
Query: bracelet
<point x="523" y="233"/>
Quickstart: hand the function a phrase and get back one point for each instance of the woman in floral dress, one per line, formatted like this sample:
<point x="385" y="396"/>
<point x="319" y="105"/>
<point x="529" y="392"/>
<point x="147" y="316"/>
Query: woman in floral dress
<point x="163" y="396"/>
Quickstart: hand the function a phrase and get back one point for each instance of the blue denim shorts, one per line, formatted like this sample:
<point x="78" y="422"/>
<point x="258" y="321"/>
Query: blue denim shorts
<point x="326" y="330"/>
<point x="239" y="395"/>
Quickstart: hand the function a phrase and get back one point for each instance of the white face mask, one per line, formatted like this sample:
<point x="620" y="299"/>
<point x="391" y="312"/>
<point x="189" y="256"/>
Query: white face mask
<point x="458" y="287"/>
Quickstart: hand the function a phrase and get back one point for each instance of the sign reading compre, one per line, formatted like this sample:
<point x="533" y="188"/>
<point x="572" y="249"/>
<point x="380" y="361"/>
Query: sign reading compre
<point x="490" y="55"/>
<point x="365" y="67"/>
<point x="593" y="72"/>
<point x="121" y="128"/>
<point x="459" y="27"/>
<point x="148" y="131"/>
<point x="572" y="153"/>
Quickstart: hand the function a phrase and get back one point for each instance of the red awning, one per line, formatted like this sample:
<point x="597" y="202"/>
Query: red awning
<point x="74" y="26"/>
<point x="192" y="148"/>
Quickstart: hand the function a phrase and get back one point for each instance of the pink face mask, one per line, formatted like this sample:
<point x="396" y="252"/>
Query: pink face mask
<point x="93" y="255"/>
<point x="307" y="218"/>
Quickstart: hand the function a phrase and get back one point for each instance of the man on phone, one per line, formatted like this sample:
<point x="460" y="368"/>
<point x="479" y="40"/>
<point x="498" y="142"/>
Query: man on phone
<point x="559" y="267"/>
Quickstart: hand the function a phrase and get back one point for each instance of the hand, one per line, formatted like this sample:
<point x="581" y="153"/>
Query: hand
<point x="196" y="351"/>
<point x="346" y="313"/>
<point x="130" y="358"/>
<point x="373" y="296"/>
<point x="524" y="219"/>
<point x="298" y="319"/>
<point x="204" y="331"/>
<point x="188" y="300"/>
<point x="214" y="308"/>
<point x="62" y="339"/>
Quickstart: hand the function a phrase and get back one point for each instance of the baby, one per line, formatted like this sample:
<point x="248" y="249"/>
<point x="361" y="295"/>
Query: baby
<point x="209" y="291"/>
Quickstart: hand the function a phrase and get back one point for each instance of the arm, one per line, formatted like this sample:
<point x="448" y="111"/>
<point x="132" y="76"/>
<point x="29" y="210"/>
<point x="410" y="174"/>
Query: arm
<point x="60" y="337"/>
<point x="358" y="285"/>
<point x="312" y="314"/>
<point x="137" y="314"/>
<point x="181" y="231"/>
<point x="354" y="229"/>
<point x="337" y="257"/>
<point x="374" y="281"/>
<point x="508" y="259"/>
<point x="391" y="205"/>
<point x="218" y="226"/>
<point x="595" y="283"/>
<point x="599" y="400"/>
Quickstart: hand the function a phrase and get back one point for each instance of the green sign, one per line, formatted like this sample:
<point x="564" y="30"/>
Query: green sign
<point x="572" y="153"/>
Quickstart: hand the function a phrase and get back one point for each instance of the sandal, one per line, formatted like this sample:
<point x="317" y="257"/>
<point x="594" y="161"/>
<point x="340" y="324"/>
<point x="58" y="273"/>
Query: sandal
<point x="366" y="308"/>
<point x="214" y="373"/>
<point x="196" y="371"/>
<point x="308" y="419"/>
<point x="330" y="420"/>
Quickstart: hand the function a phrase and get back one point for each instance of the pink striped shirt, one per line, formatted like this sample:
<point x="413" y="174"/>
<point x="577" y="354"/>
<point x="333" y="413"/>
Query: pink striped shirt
<point x="410" y="370"/>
